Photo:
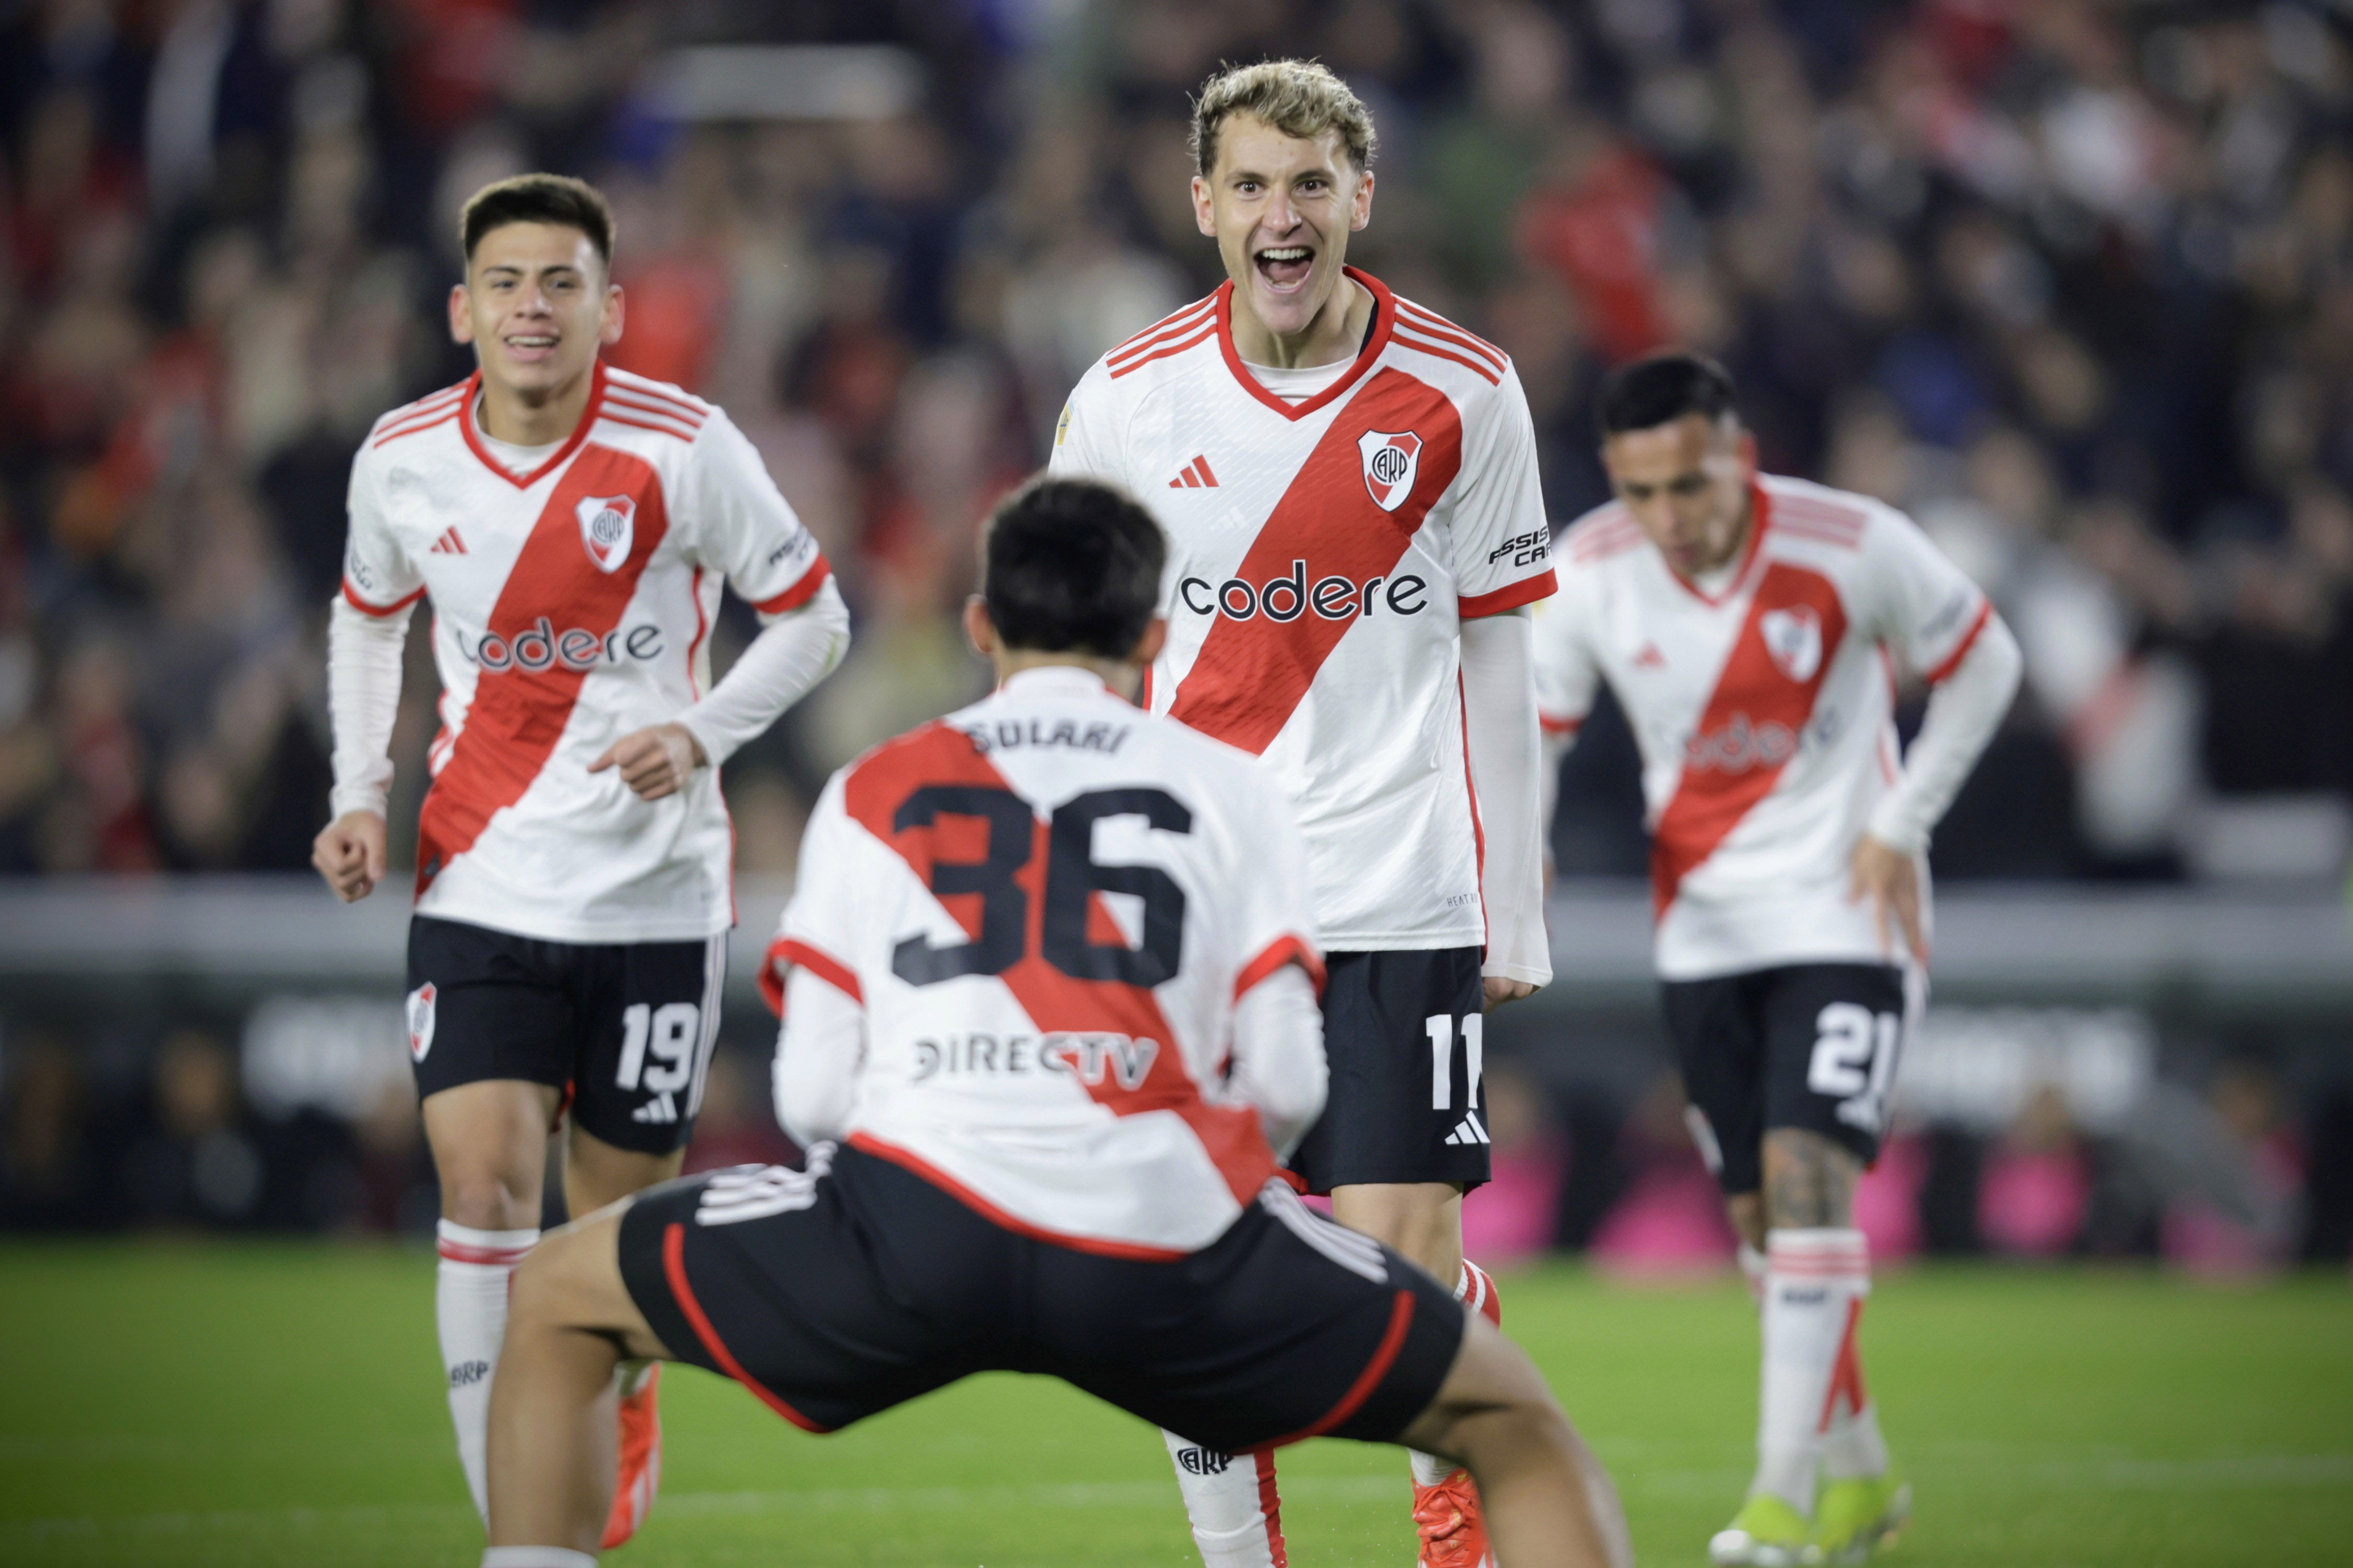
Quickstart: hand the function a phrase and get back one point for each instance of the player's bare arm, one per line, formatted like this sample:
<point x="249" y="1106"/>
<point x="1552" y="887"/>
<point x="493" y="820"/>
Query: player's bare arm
<point x="349" y="853"/>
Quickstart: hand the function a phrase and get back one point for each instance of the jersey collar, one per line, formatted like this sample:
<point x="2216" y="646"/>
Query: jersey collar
<point x="1045" y="678"/>
<point x="555" y="460"/>
<point x="1760" y="517"/>
<point x="1384" y="315"/>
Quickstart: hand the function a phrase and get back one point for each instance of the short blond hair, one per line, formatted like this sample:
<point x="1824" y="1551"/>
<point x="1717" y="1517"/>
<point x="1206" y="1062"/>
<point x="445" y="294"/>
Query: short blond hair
<point x="1298" y="98"/>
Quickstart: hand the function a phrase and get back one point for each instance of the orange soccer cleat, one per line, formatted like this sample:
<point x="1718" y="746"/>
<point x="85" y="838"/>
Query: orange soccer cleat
<point x="1446" y="1517"/>
<point x="641" y="1461"/>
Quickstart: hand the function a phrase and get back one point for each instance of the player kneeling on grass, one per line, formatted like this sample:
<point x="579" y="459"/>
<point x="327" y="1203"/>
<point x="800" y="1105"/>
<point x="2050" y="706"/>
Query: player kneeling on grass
<point x="1751" y="627"/>
<point x="1049" y="988"/>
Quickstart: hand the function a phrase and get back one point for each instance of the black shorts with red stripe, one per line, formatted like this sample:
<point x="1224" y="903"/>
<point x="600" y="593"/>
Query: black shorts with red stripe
<point x="839" y="1292"/>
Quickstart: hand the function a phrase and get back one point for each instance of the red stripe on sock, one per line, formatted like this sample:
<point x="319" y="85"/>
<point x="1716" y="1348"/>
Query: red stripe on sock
<point x="458" y="1252"/>
<point x="1269" y="1503"/>
<point x="1846" y="1374"/>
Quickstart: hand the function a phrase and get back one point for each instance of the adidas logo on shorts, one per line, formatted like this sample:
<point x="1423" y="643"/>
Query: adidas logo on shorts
<point x="1469" y="1131"/>
<point x="660" y="1108"/>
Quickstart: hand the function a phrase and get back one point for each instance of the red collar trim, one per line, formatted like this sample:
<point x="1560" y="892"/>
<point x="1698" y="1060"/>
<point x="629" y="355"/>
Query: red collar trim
<point x="579" y="432"/>
<point x="1760" y="517"/>
<point x="1384" y="318"/>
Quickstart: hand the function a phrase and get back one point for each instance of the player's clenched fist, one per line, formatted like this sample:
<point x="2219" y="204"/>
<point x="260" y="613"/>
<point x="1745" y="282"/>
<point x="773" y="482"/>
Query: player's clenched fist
<point x="349" y="853"/>
<point x="655" y="761"/>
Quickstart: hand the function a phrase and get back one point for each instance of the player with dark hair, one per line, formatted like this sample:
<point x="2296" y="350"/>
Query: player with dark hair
<point x="573" y="524"/>
<point x="1047" y="980"/>
<point x="1357" y="533"/>
<point x="1752" y="626"/>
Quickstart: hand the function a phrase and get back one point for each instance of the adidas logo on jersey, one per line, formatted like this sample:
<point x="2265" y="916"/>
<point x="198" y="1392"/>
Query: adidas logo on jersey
<point x="1650" y="658"/>
<point x="1194" y="475"/>
<point x="1469" y="1131"/>
<point x="449" y="544"/>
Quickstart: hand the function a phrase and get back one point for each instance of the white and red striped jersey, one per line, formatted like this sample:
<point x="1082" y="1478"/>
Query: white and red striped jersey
<point x="1764" y="710"/>
<point x="1047" y="906"/>
<point x="1322" y="555"/>
<point x="571" y="604"/>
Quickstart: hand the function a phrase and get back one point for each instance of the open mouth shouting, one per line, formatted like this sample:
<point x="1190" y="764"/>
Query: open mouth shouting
<point x="1285" y="268"/>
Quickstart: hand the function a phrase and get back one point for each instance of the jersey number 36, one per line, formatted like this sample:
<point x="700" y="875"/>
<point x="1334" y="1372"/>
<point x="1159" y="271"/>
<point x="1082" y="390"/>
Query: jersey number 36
<point x="1073" y="879"/>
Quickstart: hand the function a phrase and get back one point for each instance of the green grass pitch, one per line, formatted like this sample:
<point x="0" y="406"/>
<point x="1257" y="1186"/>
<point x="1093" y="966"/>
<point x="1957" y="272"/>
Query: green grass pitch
<point x="264" y="1404"/>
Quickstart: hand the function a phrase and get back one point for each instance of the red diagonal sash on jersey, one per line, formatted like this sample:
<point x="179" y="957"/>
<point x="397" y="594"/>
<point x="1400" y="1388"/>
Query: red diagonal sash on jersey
<point x="519" y="714"/>
<point x="1249" y="675"/>
<point x="938" y="755"/>
<point x="1752" y="724"/>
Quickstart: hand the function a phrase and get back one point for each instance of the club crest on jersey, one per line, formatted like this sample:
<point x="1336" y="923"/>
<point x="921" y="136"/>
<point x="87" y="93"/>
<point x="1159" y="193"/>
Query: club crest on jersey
<point x="420" y="1020"/>
<point x="1793" y="640"/>
<point x="607" y="524"/>
<point x="1391" y="463"/>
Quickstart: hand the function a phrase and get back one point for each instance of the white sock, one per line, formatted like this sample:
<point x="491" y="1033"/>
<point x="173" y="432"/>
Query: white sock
<point x="1853" y="1447"/>
<point x="1815" y="1282"/>
<point x="1230" y="1500"/>
<point x="535" y="1556"/>
<point x="470" y="1304"/>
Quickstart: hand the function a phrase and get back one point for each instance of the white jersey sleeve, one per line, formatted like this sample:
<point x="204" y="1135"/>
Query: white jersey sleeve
<point x="1567" y="679"/>
<point x="742" y="525"/>
<point x="1503" y="545"/>
<point x="1087" y="442"/>
<point x="1921" y="606"/>
<point x="378" y="576"/>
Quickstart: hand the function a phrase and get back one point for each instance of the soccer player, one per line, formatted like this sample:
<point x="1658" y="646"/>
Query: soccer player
<point x="1751" y="627"/>
<point x="1349" y="485"/>
<point x="573" y="524"/>
<point x="1049" y="977"/>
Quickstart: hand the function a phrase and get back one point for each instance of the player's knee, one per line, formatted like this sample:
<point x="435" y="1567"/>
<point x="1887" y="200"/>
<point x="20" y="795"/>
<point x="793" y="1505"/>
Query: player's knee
<point x="545" y="1291"/>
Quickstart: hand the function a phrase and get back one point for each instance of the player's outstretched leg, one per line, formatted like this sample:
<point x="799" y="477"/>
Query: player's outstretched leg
<point x="1548" y="1502"/>
<point x="1446" y="1514"/>
<point x="552" y="1419"/>
<point x="1230" y="1500"/>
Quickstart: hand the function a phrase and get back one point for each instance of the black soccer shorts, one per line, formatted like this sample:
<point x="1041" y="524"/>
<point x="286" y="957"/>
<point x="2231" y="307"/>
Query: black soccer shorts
<point x="836" y="1293"/>
<point x="625" y="1028"/>
<point x="1404" y="1032"/>
<point x="1809" y="1045"/>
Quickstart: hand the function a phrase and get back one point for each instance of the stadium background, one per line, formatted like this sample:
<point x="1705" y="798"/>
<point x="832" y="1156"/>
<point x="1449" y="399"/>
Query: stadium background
<point x="2071" y="281"/>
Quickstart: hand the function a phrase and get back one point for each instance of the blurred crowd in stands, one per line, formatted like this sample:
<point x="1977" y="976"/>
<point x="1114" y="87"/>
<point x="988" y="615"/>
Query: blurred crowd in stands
<point x="2071" y="281"/>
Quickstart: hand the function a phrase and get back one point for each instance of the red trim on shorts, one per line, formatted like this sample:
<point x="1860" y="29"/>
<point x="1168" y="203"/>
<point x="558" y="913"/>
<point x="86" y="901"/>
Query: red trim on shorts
<point x="1510" y="596"/>
<point x="1282" y="950"/>
<point x="1400" y="1320"/>
<point x="1552" y="726"/>
<point x="1938" y="676"/>
<point x="674" y="1269"/>
<point x="910" y="1160"/>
